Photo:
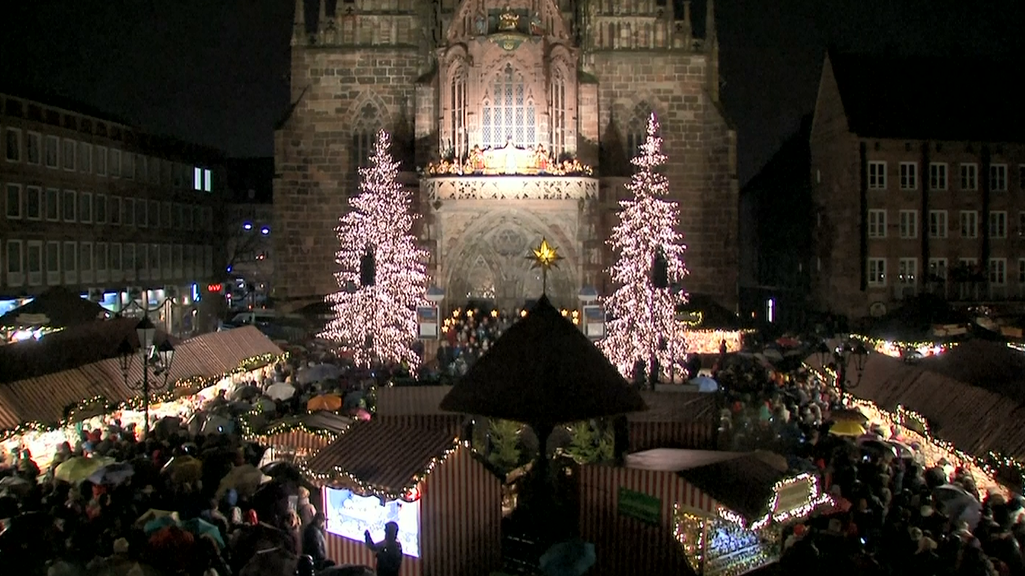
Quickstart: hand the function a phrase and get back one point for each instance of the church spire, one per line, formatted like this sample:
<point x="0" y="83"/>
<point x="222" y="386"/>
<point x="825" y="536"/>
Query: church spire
<point x="710" y="34"/>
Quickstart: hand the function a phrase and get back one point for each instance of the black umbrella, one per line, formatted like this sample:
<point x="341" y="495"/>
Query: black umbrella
<point x="283" y="471"/>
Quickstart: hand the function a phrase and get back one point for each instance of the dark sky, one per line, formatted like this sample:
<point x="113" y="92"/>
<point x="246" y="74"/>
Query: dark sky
<point x="215" y="71"/>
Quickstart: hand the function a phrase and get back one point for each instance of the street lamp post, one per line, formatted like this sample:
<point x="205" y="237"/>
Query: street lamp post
<point x="839" y="359"/>
<point x="156" y="358"/>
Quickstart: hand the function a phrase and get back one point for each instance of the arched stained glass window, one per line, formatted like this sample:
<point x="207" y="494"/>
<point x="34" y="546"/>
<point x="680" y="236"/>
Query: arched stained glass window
<point x="508" y="114"/>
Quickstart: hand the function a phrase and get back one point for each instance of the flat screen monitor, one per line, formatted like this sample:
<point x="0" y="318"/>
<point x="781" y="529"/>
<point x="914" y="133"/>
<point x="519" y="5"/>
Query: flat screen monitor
<point x="349" y="515"/>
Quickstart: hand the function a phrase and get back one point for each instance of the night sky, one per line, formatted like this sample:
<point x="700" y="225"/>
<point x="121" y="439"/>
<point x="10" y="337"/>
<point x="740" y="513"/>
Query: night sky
<point x="216" y="71"/>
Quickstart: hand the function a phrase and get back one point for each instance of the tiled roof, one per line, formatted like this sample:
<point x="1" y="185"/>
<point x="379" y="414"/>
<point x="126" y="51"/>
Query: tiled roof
<point x="930" y="98"/>
<point x="409" y="400"/>
<point x="383" y="455"/>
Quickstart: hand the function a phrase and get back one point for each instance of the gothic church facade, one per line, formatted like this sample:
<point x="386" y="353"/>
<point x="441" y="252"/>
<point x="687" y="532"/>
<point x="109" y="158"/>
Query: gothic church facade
<point x="514" y="120"/>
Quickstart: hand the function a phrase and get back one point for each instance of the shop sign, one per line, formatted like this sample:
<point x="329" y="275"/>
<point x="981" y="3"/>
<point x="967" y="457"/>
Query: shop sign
<point x="427" y="319"/>
<point x="640" y="506"/>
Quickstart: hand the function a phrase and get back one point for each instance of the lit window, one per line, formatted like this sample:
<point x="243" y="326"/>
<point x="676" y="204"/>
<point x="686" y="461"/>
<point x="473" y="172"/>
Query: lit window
<point x="197" y="180"/>
<point x="908" y="271"/>
<point x="509" y="117"/>
<point x="207" y="181"/>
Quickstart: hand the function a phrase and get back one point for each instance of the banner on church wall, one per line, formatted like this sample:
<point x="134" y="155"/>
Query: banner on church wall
<point x="427" y="319"/>
<point x="594" y="322"/>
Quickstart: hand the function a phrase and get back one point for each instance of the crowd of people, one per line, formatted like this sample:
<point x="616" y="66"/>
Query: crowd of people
<point x="892" y="513"/>
<point x="467" y="335"/>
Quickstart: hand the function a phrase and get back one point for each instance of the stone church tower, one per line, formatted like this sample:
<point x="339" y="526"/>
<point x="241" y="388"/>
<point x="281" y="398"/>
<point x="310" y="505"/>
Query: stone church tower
<point x="515" y="120"/>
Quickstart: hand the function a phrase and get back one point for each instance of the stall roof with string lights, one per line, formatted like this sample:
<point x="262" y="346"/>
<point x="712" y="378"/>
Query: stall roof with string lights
<point x="693" y="511"/>
<point x="459" y="499"/>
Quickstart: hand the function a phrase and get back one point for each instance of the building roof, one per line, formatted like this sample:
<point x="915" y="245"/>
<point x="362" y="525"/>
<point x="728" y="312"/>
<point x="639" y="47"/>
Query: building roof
<point x="930" y="98"/>
<point x="381" y="455"/>
<point x="676" y="407"/>
<point x="411" y="400"/>
<point x="58" y="307"/>
<point x="741" y="481"/>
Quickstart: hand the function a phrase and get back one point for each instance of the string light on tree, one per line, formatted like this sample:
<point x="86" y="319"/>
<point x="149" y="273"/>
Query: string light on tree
<point x="648" y="268"/>
<point x="382" y="273"/>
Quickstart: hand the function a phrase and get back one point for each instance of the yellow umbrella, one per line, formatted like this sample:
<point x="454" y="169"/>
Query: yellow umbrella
<point x="79" y="468"/>
<point x="184" y="469"/>
<point x="329" y="402"/>
<point x="847" y="428"/>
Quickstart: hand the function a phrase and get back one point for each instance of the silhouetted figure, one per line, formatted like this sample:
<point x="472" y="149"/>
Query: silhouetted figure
<point x="389" y="552"/>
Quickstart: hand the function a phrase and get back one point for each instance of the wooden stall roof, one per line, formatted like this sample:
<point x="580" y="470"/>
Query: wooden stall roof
<point x="46" y="398"/>
<point x="328" y="421"/>
<point x="411" y="400"/>
<point x="381" y="454"/>
<point x="741" y="481"/>
<point x="676" y="407"/>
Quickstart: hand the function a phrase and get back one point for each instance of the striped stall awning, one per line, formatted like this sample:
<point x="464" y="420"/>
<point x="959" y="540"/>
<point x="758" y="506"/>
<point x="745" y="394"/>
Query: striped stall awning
<point x="46" y="398"/>
<point x="409" y="400"/>
<point x="381" y="454"/>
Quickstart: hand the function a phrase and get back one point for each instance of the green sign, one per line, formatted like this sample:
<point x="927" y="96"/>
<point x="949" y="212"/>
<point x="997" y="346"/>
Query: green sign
<point x="639" y="505"/>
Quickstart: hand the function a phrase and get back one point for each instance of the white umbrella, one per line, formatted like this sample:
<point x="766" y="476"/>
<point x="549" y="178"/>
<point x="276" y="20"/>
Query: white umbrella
<point x="280" y="391"/>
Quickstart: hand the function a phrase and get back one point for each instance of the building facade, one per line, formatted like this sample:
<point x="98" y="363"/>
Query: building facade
<point x="917" y="184"/>
<point x="248" y="224"/>
<point x="94" y="205"/>
<point x="514" y="121"/>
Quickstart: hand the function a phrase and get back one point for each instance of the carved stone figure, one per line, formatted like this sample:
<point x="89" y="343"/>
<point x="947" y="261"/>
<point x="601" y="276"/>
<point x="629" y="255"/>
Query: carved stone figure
<point x="480" y="25"/>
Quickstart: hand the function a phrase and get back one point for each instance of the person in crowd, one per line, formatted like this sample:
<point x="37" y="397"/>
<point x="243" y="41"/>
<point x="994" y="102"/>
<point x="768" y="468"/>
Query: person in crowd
<point x="315" y="543"/>
<point x="388" y="551"/>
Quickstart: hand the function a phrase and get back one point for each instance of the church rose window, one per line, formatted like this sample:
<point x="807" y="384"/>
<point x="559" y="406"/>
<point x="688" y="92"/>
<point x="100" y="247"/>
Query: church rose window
<point x="509" y="116"/>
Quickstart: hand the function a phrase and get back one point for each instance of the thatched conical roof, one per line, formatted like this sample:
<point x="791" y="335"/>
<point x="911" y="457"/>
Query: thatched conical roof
<point x="543" y="370"/>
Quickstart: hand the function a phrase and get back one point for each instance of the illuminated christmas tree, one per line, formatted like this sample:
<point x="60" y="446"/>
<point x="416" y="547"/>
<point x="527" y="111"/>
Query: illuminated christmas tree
<point x="648" y="269"/>
<point x="382" y="272"/>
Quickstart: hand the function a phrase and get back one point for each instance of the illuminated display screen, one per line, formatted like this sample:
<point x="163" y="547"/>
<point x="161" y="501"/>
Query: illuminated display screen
<point x="349" y="515"/>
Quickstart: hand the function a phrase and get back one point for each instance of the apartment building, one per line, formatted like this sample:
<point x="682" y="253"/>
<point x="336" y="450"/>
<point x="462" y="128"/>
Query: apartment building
<point x="97" y="206"/>
<point x="918" y="183"/>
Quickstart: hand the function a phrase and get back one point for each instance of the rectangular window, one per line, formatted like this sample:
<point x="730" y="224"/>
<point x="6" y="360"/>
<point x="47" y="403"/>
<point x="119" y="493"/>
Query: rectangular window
<point x="85" y="207"/>
<point x="70" y="259"/>
<point x="116" y="262"/>
<point x="208" y="218"/>
<point x="208" y="261"/>
<point x="176" y="171"/>
<point x="53" y="263"/>
<point x="141" y="168"/>
<point x="101" y="161"/>
<point x="197" y="179"/>
<point x="998" y="271"/>
<point x="13" y="198"/>
<point x="877" y="175"/>
<point x="128" y="211"/>
<point x="165" y="214"/>
<point x="877" y="223"/>
<point x="154" y="261"/>
<point x="15" y="263"/>
<point x="142" y="261"/>
<point x="12" y="137"/>
<point x="937" y="223"/>
<point x="177" y="216"/>
<point x="128" y="165"/>
<point x="969" y="224"/>
<point x="69" y="204"/>
<point x="52" y="152"/>
<point x="100" y="208"/>
<point x="177" y="261"/>
<point x="907" y="271"/>
<point x="53" y="213"/>
<point x="877" y="272"/>
<point x="33" y="203"/>
<point x="190" y="213"/>
<point x="114" y="207"/>
<point x="85" y="157"/>
<point x="34" y="148"/>
<point x="908" y="175"/>
<point x="34" y="262"/>
<point x="100" y="261"/>
<point x="938" y="269"/>
<point x="998" y="177"/>
<point x="1021" y="271"/>
<point x="154" y="171"/>
<point x="938" y="176"/>
<point x="154" y="214"/>
<point x="166" y="263"/>
<point x="1021" y="176"/>
<point x="128" y="261"/>
<point x="909" y="224"/>
<point x="207" y="182"/>
<point x="114" y="163"/>
<point x="190" y="261"/>
<point x="70" y="147"/>
<point x="969" y="177"/>
<point x="141" y="219"/>
<point x="85" y="261"/>
<point x="998" y="224"/>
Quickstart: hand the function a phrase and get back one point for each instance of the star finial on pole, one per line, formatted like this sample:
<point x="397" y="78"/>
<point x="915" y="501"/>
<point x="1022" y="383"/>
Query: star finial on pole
<point x="545" y="256"/>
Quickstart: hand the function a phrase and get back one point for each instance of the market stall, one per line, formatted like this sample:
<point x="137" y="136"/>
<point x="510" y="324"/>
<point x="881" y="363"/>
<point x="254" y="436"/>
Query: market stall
<point x="446" y="502"/>
<point x="670" y="511"/>
<point x="415" y="406"/>
<point x="300" y="437"/>
<point x="674" y="420"/>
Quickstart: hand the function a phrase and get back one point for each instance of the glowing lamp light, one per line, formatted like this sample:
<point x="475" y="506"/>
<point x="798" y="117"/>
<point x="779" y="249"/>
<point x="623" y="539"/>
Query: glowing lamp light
<point x="247" y="226"/>
<point x="523" y="313"/>
<point x="265" y="230"/>
<point x="494" y="313"/>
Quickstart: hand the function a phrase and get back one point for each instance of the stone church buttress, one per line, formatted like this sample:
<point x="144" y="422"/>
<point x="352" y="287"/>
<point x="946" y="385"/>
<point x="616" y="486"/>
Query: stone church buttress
<point x="515" y="120"/>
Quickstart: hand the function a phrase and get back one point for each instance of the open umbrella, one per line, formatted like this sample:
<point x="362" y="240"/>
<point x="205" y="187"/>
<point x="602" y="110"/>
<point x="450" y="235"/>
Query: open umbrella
<point x="158" y="524"/>
<point x="184" y="469"/>
<point x="705" y="384"/>
<point x="244" y="479"/>
<point x="283" y="472"/>
<point x="846" y="428"/>
<point x="904" y="451"/>
<point x="329" y="402"/>
<point x="217" y="425"/>
<point x="245" y="393"/>
<point x="848" y="415"/>
<point x="958" y="505"/>
<point x="877" y="446"/>
<point x="201" y="527"/>
<point x="153" y="514"/>
<point x="280" y="391"/>
<point x="264" y="405"/>
<point x="79" y="468"/>
<point x="571" y="558"/>
<point x="112" y="474"/>
<point x="318" y="373"/>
